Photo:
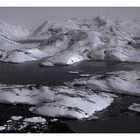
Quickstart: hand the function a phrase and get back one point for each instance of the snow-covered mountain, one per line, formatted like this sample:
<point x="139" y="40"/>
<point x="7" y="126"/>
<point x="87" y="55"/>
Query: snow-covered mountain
<point x="13" y="31"/>
<point x="68" y="43"/>
<point x="9" y="33"/>
<point x="130" y="26"/>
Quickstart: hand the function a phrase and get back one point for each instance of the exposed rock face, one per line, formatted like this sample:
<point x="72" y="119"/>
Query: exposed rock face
<point x="123" y="82"/>
<point x="57" y="101"/>
<point x="69" y="43"/>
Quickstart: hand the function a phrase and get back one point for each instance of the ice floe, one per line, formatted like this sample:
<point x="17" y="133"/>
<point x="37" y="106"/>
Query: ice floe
<point x="21" y="94"/>
<point x="72" y="103"/>
<point x="35" y="120"/>
<point x="33" y="124"/>
<point x="124" y="82"/>
<point x="85" y="75"/>
<point x="60" y="101"/>
<point x="134" y="107"/>
<point x="16" y="118"/>
<point x="74" y="72"/>
<point x="2" y="128"/>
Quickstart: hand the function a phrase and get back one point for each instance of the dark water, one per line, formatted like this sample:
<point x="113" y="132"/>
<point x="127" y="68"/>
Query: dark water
<point x="31" y="73"/>
<point x="117" y="118"/>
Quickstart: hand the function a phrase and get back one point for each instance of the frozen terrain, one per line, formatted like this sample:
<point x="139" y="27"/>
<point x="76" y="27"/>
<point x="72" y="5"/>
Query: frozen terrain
<point x="134" y="107"/>
<point x="130" y="26"/>
<point x="26" y="102"/>
<point x="98" y="88"/>
<point x="75" y="40"/>
<point x="123" y="82"/>
<point x="58" y="101"/>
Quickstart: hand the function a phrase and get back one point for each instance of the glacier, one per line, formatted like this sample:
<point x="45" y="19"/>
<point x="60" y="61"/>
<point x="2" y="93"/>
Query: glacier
<point x="75" y="40"/>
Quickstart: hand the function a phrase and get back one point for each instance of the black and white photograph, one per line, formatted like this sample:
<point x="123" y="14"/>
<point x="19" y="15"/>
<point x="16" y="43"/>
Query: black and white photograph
<point x="69" y="69"/>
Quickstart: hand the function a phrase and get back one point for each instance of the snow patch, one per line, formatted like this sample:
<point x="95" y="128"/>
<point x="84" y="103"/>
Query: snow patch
<point x="35" y="120"/>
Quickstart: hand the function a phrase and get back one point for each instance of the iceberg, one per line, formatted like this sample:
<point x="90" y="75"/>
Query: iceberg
<point x="60" y="101"/>
<point x="122" y="82"/>
<point x="16" y="118"/>
<point x="35" y="120"/>
<point x="22" y="94"/>
<point x="72" y="103"/>
<point x="134" y="107"/>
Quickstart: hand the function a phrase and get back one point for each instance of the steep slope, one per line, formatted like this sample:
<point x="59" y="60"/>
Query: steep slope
<point x="13" y="31"/>
<point x="130" y="26"/>
<point x="100" y="35"/>
<point x="69" y="43"/>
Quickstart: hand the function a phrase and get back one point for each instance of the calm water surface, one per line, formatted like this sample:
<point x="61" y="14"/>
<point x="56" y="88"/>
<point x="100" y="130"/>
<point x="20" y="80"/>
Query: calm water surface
<point x="116" y="119"/>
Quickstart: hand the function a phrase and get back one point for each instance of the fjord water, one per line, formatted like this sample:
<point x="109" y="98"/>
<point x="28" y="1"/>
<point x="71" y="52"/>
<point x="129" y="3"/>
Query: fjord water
<point x="32" y="73"/>
<point x="116" y="119"/>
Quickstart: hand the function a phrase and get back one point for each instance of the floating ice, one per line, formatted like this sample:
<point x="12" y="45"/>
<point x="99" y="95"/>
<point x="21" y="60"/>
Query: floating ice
<point x="2" y="128"/>
<point x="60" y="101"/>
<point x="35" y="120"/>
<point x="72" y="103"/>
<point x="124" y="82"/>
<point x="73" y="72"/>
<point x="85" y="75"/>
<point x="21" y="94"/>
<point x="134" y="107"/>
<point x="16" y="118"/>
